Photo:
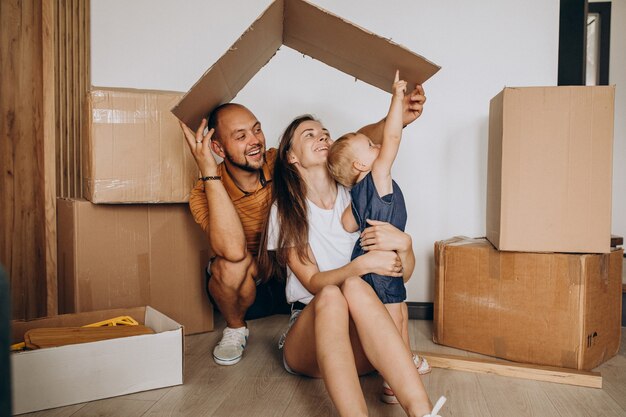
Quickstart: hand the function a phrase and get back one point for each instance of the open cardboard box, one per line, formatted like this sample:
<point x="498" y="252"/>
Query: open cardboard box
<point x="312" y="31"/>
<point x="59" y="376"/>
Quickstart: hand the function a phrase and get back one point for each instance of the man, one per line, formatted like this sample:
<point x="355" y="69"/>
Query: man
<point x="231" y="202"/>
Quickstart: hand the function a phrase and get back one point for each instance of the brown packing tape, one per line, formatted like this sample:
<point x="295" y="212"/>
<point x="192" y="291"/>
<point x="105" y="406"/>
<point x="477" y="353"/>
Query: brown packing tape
<point x="438" y="300"/>
<point x="604" y="269"/>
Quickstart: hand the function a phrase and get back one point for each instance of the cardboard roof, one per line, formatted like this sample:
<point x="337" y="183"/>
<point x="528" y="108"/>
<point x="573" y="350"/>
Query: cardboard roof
<point x="312" y="31"/>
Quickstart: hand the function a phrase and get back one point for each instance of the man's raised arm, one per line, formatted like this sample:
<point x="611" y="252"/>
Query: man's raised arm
<point x="210" y="204"/>
<point x="413" y="105"/>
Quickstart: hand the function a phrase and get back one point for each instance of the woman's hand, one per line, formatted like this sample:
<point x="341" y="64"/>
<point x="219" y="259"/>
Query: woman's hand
<point x="381" y="262"/>
<point x="384" y="236"/>
<point x="199" y="145"/>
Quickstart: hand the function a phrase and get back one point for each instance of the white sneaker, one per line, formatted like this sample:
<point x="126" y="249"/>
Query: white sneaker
<point x="229" y="350"/>
<point x="422" y="365"/>
<point x="435" y="412"/>
<point x="388" y="397"/>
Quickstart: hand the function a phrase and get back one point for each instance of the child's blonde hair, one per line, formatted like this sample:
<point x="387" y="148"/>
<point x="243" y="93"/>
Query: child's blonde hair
<point x="340" y="161"/>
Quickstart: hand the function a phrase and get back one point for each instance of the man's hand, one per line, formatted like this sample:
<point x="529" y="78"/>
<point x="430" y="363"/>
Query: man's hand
<point x="384" y="236"/>
<point x="413" y="105"/>
<point x="199" y="145"/>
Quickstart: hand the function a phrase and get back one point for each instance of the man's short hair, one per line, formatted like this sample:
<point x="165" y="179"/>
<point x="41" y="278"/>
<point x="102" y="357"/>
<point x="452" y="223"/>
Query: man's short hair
<point x="213" y="117"/>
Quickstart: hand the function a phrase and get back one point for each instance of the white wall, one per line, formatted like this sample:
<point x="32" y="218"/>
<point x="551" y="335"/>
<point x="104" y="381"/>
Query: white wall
<point x="617" y="76"/>
<point x="482" y="46"/>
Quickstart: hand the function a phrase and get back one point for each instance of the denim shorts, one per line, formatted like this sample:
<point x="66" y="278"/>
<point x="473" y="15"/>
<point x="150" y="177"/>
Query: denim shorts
<point x="295" y="313"/>
<point x="270" y="297"/>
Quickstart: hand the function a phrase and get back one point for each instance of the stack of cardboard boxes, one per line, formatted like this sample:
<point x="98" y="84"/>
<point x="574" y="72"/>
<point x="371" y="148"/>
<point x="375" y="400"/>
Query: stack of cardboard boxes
<point x="133" y="242"/>
<point x="545" y="286"/>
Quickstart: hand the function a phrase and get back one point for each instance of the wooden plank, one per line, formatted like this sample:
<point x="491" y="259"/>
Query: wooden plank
<point x="61" y="101"/>
<point x="75" y="71"/>
<point x="515" y="370"/>
<point x="49" y="150"/>
<point x="23" y="237"/>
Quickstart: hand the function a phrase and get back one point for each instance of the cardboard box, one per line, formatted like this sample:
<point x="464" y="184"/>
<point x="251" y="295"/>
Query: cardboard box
<point x="133" y="255"/>
<point x="309" y="30"/>
<point x="550" y="169"/>
<point x="542" y="308"/>
<point x="134" y="149"/>
<point x="54" y="377"/>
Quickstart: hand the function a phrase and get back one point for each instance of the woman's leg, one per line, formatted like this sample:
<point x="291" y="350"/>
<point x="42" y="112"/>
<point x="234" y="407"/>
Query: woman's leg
<point x="399" y="315"/>
<point x="384" y="346"/>
<point x="318" y="344"/>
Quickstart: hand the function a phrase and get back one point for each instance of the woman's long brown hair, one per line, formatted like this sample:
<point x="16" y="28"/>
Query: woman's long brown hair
<point x="289" y="193"/>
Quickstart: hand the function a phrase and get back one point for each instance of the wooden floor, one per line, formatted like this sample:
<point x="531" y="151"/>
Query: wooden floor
<point x="259" y="386"/>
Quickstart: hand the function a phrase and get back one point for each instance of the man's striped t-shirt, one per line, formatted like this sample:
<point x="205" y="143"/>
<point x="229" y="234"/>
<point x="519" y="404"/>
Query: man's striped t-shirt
<point x="253" y="208"/>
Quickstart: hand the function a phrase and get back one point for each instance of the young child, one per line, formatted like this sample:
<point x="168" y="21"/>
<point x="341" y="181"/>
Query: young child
<point x="357" y="163"/>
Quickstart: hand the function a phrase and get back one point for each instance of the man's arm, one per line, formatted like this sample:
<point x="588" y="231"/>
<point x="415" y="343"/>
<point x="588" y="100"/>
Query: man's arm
<point x="210" y="204"/>
<point x="413" y="105"/>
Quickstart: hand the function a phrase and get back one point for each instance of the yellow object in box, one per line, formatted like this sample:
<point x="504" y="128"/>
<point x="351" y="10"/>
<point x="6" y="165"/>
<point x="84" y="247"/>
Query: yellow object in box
<point x="117" y="321"/>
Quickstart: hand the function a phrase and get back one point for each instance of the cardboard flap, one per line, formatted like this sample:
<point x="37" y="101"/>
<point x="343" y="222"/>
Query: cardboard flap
<point x="312" y="31"/>
<point x="350" y="48"/>
<point x="221" y="83"/>
<point x="159" y="322"/>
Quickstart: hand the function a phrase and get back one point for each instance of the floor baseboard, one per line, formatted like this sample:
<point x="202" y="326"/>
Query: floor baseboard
<point x="420" y="310"/>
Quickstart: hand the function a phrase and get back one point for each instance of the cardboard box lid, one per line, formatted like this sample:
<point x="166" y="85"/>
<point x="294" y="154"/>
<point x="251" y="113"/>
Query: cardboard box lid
<point x="310" y="30"/>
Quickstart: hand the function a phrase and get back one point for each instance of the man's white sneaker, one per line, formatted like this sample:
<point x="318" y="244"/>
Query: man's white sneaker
<point x="229" y="350"/>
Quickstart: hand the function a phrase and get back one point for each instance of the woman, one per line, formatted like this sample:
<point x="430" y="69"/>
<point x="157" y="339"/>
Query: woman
<point x="342" y="330"/>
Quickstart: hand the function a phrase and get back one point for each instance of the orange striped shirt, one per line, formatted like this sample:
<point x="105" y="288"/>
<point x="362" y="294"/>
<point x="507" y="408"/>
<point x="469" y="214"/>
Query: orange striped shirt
<point x="252" y="208"/>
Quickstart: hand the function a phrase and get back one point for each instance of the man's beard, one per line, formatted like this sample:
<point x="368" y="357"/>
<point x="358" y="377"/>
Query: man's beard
<point x="246" y="166"/>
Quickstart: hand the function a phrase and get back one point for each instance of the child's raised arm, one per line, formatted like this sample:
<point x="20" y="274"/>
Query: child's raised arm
<point x="392" y="133"/>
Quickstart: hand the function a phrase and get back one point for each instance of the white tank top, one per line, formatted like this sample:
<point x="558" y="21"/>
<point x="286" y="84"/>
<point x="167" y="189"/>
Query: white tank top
<point x="330" y="243"/>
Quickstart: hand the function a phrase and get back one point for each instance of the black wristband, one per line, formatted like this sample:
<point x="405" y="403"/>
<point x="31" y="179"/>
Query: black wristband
<point x="211" y="177"/>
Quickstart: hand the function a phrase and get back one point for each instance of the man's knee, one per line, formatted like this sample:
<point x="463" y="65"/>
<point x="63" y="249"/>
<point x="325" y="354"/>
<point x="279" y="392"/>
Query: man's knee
<point x="230" y="274"/>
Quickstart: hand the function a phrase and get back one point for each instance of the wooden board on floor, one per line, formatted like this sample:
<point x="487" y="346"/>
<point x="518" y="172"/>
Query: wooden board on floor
<point x="514" y="370"/>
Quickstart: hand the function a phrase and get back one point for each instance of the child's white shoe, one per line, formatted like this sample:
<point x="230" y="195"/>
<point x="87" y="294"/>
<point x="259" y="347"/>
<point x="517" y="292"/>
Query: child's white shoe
<point x="422" y="365"/>
<point x="435" y="412"/>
